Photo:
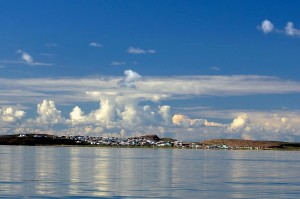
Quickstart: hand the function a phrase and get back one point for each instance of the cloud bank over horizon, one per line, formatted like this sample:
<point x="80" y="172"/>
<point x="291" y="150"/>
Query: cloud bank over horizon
<point x="135" y="105"/>
<point x="130" y="119"/>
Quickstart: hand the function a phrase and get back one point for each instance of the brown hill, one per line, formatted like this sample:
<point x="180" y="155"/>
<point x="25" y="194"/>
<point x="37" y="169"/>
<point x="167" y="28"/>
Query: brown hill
<point x="245" y="143"/>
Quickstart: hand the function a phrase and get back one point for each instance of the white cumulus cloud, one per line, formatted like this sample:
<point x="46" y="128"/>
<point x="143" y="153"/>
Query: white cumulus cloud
<point x="291" y="30"/>
<point x="77" y="115"/>
<point x="239" y="122"/>
<point x="120" y="115"/>
<point x="129" y="80"/>
<point x="10" y="114"/>
<point x="107" y="111"/>
<point x="47" y="113"/>
<point x="266" y="26"/>
<point x="165" y="113"/>
<point x="274" y="125"/>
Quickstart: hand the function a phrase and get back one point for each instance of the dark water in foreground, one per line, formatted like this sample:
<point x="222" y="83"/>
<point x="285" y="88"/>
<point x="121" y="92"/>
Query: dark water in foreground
<point x="80" y="172"/>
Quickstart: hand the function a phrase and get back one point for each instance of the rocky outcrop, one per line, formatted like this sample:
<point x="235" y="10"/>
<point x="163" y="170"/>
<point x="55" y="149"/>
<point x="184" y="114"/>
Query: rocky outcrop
<point x="149" y="137"/>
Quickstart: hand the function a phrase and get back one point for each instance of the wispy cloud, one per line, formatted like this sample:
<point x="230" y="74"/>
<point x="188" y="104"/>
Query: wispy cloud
<point x="8" y="62"/>
<point x="48" y="54"/>
<point x="95" y="44"/>
<point x="215" y="68"/>
<point x="66" y="90"/>
<point x="135" y="50"/>
<point x="117" y="63"/>
<point x="289" y="30"/>
<point x="51" y="45"/>
<point x="27" y="59"/>
<point x="151" y="51"/>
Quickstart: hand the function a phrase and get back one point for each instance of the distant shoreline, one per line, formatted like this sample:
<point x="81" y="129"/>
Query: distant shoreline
<point x="146" y="141"/>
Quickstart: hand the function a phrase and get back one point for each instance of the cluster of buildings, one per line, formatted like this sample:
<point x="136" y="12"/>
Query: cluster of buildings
<point x="149" y="140"/>
<point x="224" y="146"/>
<point x="154" y="141"/>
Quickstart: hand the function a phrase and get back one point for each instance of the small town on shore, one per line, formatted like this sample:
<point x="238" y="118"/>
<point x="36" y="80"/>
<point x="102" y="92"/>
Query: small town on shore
<point x="143" y="141"/>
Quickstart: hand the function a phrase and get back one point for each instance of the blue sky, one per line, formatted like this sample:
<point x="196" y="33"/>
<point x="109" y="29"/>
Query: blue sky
<point x="186" y="69"/>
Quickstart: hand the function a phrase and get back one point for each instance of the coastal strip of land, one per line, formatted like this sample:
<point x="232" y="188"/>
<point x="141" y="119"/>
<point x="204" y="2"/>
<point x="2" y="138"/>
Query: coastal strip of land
<point x="144" y="141"/>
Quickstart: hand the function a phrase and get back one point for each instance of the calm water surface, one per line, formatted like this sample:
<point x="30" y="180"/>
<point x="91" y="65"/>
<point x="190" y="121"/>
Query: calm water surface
<point x="81" y="172"/>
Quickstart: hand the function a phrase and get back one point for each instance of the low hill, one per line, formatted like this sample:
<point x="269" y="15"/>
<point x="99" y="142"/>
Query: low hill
<point x="34" y="139"/>
<point x="250" y="143"/>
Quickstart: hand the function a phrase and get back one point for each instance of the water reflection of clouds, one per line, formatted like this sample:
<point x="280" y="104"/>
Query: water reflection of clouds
<point x="159" y="173"/>
<point x="258" y="171"/>
<point x="44" y="170"/>
<point x="8" y="169"/>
